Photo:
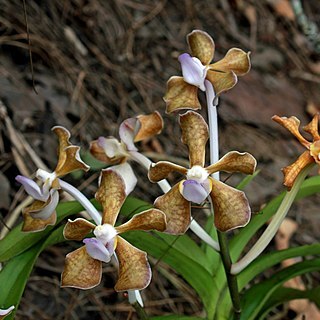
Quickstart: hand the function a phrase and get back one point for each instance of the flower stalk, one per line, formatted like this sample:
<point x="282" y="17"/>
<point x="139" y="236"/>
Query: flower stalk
<point x="273" y="226"/>
<point x="222" y="238"/>
<point x="231" y="278"/>
<point x="75" y="193"/>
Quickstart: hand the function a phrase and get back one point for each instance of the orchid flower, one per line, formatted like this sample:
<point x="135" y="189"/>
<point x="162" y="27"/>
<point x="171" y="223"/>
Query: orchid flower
<point x="311" y="155"/>
<point x="41" y="212"/>
<point x="5" y="312"/>
<point x="83" y="267"/>
<point x="182" y="92"/>
<point x="114" y="152"/>
<point x="231" y="208"/>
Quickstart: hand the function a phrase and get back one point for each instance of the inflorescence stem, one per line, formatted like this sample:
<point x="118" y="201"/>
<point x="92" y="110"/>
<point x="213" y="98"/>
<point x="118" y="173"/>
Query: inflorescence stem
<point x="222" y="238"/>
<point x="74" y="192"/>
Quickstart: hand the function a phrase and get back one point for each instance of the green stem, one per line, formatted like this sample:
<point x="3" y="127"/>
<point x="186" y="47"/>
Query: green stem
<point x="231" y="279"/>
<point x="140" y="311"/>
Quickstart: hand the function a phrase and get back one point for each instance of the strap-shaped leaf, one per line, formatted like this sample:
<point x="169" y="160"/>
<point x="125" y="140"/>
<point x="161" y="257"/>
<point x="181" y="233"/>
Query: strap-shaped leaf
<point x="283" y="294"/>
<point x="17" y="241"/>
<point x="14" y="276"/>
<point x="258" y="295"/>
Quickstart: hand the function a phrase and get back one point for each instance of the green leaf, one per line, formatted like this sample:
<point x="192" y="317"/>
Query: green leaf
<point x="309" y="187"/>
<point x="186" y="246"/>
<point x="283" y="294"/>
<point x="268" y="260"/>
<point x="263" y="263"/>
<point x="258" y="295"/>
<point x="247" y="180"/>
<point x="175" y="317"/>
<point x="15" y="274"/>
<point x="17" y="241"/>
<point x="194" y="273"/>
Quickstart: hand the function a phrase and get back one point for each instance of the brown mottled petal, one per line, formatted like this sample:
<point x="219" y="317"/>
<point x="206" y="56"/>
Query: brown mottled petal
<point x="63" y="137"/>
<point x="100" y="154"/>
<point x="312" y="127"/>
<point x="181" y="95"/>
<point x="77" y="229"/>
<point x="111" y="194"/>
<point x="80" y="270"/>
<point x="291" y="172"/>
<point x="292" y="124"/>
<point x="222" y="81"/>
<point x="134" y="269"/>
<point x="160" y="170"/>
<point x="31" y="224"/>
<point x="177" y="210"/>
<point x="234" y="162"/>
<point x="195" y="135"/>
<point x="231" y="207"/>
<point x="72" y="162"/>
<point x="201" y="46"/>
<point x="151" y="219"/>
<point x="235" y="60"/>
<point x="150" y="125"/>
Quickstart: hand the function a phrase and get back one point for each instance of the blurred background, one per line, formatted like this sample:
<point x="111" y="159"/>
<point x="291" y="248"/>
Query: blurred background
<point x="96" y="63"/>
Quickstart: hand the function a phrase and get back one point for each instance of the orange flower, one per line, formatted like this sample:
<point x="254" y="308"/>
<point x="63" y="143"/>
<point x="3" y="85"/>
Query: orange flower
<point x="231" y="207"/>
<point x="83" y="267"/>
<point x="311" y="155"/>
<point x="182" y="92"/>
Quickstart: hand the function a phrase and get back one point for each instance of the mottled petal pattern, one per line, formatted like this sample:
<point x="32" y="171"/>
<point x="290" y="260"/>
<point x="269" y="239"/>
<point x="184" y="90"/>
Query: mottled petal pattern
<point x="291" y="172"/>
<point x="111" y="194"/>
<point x="127" y="174"/>
<point x="235" y="60"/>
<point x="46" y="211"/>
<point x="150" y="125"/>
<point x="177" y="210"/>
<point x="312" y="127"/>
<point x="31" y="224"/>
<point x="231" y="207"/>
<point x="80" y="270"/>
<point x="68" y="155"/>
<point x="160" y="170"/>
<point x="195" y="135"/>
<point x="201" y="46"/>
<point x="181" y="95"/>
<point x="292" y="124"/>
<point x="134" y="269"/>
<point x="151" y="219"/>
<point x="72" y="162"/>
<point x="222" y="81"/>
<point x="77" y="229"/>
<point x="234" y="162"/>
